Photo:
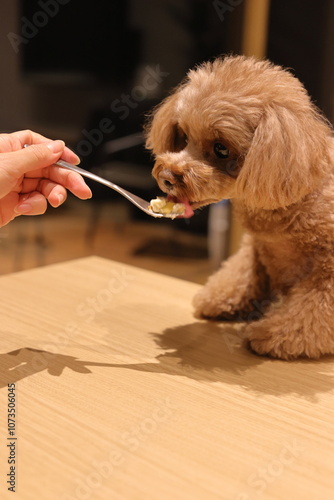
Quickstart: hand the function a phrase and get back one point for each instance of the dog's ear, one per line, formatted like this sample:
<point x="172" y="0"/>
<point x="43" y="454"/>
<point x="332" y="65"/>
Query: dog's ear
<point x="161" y="130"/>
<point x="288" y="157"/>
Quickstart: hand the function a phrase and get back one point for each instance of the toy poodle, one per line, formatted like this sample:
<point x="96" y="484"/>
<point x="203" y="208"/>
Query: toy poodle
<point x="243" y="129"/>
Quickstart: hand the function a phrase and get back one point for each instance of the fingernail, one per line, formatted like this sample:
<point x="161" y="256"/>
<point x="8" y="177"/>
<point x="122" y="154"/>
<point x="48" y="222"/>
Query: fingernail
<point x="56" y="146"/>
<point x="61" y="198"/>
<point x="23" y="208"/>
<point x="77" y="160"/>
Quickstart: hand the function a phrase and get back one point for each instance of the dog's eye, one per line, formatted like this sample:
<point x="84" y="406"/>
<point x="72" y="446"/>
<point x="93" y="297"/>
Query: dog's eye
<point x="180" y="139"/>
<point x="220" y="150"/>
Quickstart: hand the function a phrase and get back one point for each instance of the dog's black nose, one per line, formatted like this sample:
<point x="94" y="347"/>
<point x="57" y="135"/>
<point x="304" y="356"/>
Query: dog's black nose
<point x="167" y="178"/>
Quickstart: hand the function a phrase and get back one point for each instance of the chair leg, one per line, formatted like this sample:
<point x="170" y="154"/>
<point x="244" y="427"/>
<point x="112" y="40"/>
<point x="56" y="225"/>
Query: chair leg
<point x="218" y="226"/>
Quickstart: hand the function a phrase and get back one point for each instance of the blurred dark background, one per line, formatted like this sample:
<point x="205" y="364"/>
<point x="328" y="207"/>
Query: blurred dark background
<point x="88" y="72"/>
<point x="62" y="58"/>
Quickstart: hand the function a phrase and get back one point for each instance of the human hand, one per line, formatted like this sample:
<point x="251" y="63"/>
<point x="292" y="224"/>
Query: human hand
<point x="29" y="178"/>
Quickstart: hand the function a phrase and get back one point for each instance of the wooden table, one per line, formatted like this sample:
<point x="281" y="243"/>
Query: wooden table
<point x="121" y="394"/>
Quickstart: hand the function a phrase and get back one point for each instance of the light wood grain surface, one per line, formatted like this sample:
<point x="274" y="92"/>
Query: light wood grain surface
<point x="121" y="394"/>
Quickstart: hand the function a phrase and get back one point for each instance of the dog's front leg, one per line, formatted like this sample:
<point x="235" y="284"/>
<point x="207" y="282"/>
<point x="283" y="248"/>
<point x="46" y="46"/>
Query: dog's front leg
<point x="235" y="290"/>
<point x="300" y="324"/>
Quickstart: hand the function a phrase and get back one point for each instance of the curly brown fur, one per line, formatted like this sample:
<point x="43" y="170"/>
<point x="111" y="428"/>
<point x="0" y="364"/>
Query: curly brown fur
<point x="275" y="162"/>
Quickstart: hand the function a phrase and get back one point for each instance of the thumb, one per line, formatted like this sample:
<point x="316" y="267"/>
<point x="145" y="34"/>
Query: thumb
<point x="34" y="157"/>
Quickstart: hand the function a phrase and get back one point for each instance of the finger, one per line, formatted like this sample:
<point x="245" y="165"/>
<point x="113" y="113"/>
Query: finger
<point x="69" y="156"/>
<point x="54" y="193"/>
<point x="57" y="196"/>
<point x="56" y="176"/>
<point x="17" y="140"/>
<point x="33" y="204"/>
<point x="71" y="181"/>
<point x="35" y="157"/>
<point x="68" y="179"/>
<point x="29" y="137"/>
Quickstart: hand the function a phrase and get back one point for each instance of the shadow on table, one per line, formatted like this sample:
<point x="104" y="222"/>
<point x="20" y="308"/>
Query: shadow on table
<point x="21" y="363"/>
<point x="218" y="352"/>
<point x="208" y="352"/>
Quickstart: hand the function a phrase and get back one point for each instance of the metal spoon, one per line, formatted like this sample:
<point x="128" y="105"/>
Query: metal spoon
<point x="136" y="200"/>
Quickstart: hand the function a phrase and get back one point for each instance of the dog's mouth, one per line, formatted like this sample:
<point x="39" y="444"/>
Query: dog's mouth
<point x="190" y="206"/>
<point x="188" y="211"/>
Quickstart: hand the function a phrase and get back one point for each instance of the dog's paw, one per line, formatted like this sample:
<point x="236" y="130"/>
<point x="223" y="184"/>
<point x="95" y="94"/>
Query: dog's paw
<point x="266" y="340"/>
<point x="281" y="343"/>
<point x="266" y="348"/>
<point x="209" y="306"/>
